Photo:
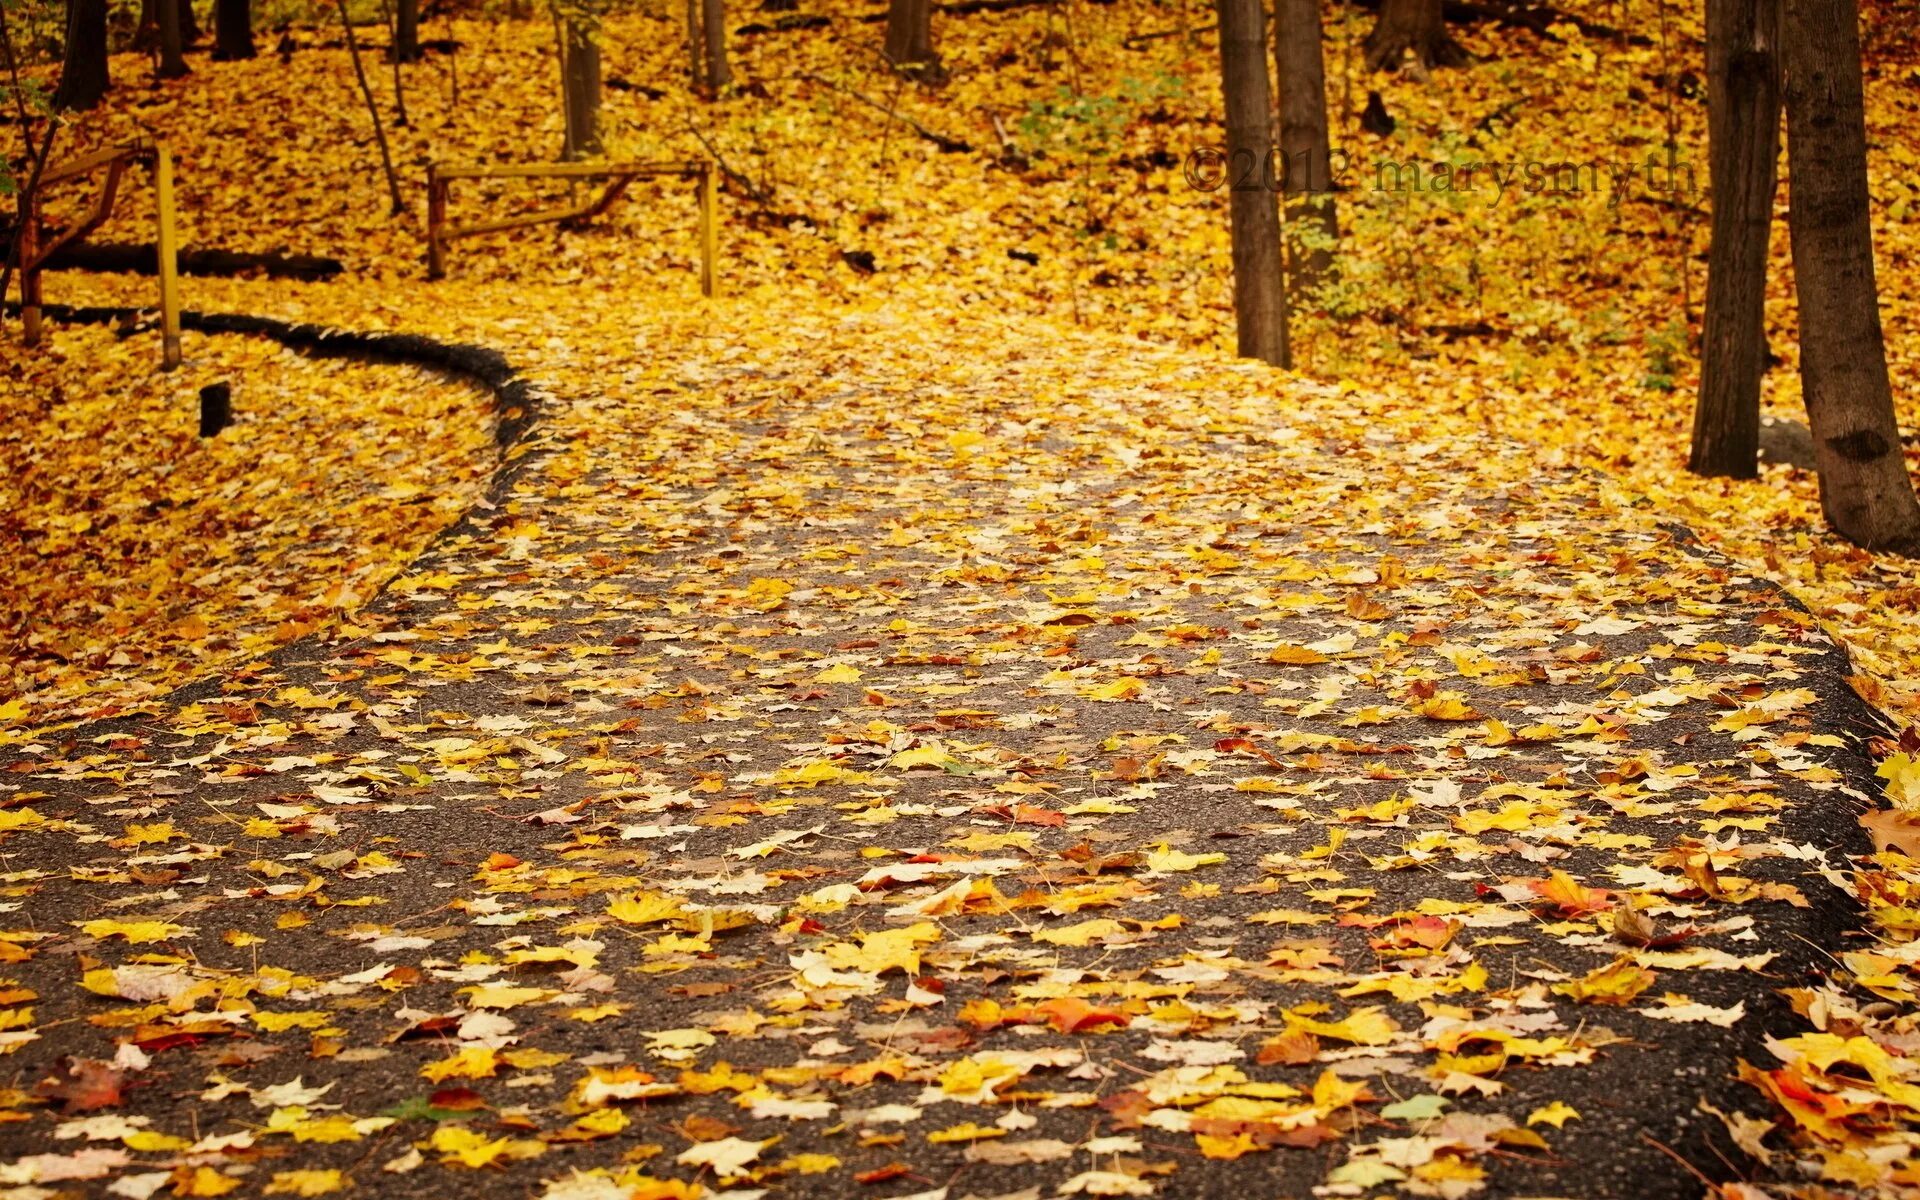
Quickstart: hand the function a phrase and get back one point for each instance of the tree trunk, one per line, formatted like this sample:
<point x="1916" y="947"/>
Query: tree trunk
<point x="1312" y="224"/>
<point x="910" y="38"/>
<point x="1414" y="26"/>
<point x="232" y="30"/>
<point x="173" y="63"/>
<point x="1864" y="487"/>
<point x="189" y="23"/>
<point x="84" y="76"/>
<point x="580" y="70"/>
<point x="713" y="37"/>
<point x="406" y="31"/>
<point x="696" y="46"/>
<point x="1259" y="287"/>
<point x="1743" y="140"/>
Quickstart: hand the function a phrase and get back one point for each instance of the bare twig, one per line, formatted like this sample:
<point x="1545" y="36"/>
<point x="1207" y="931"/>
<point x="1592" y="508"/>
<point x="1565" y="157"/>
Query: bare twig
<point x="948" y="144"/>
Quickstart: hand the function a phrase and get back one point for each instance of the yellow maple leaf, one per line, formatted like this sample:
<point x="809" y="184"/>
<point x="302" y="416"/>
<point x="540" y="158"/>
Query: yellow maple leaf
<point x="890" y="949"/>
<point x="645" y="908"/>
<point x="1080" y="934"/>
<point x="1446" y="707"/>
<point x="137" y="932"/>
<point x="499" y="995"/>
<point x="1363" y="1026"/>
<point x="1556" y="1114"/>
<point x="1616" y="983"/>
<point x="1295" y="656"/>
<point x="305" y="1183"/>
<point x="1124" y="688"/>
<point x="472" y="1062"/>
<point x="1902" y="773"/>
<point x="458" y="1144"/>
<point x="203" y="1181"/>
<point x="1166" y="859"/>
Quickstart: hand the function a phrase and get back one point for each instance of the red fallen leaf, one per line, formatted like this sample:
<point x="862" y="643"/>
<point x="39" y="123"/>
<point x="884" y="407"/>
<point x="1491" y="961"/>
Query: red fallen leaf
<point x="499" y="862"/>
<point x="1264" y="1134"/>
<point x="1569" y="897"/>
<point x="1070" y="1014"/>
<point x="1427" y="932"/>
<point x="698" y="991"/>
<point x="1024" y="814"/>
<point x="1128" y="1109"/>
<point x="432" y="1027"/>
<point x="893" y="1170"/>
<point x="167" y="1041"/>
<point x="1293" y="1048"/>
<point x="457" y="1099"/>
<point x="1240" y="745"/>
<point x="83" y="1084"/>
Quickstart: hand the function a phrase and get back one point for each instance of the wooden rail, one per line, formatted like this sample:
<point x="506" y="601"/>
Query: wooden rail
<point x="34" y="252"/>
<point x="618" y="177"/>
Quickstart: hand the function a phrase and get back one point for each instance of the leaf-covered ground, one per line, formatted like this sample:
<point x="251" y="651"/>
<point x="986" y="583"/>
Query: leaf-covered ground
<point x="145" y="556"/>
<point x="811" y="778"/>
<point x="890" y="740"/>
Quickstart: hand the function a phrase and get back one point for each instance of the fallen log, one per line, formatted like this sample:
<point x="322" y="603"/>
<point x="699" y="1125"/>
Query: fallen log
<point x="140" y="259"/>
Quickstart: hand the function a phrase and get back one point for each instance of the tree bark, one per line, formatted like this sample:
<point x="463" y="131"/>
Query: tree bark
<point x="580" y="71"/>
<point x="713" y="38"/>
<point x="1415" y="26"/>
<point x="1743" y="142"/>
<point x="909" y="45"/>
<point x="696" y="46"/>
<point x="1864" y="487"/>
<point x="189" y="23"/>
<point x="1259" y="286"/>
<point x="406" y="31"/>
<point x="173" y="63"/>
<point x="85" y="75"/>
<point x="232" y="30"/>
<point x="1312" y="224"/>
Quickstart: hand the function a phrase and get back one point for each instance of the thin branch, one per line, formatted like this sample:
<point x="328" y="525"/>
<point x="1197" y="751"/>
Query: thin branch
<point x="947" y="144"/>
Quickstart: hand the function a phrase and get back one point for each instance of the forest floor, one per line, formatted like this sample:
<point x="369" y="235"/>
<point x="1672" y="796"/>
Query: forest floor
<point x="933" y="723"/>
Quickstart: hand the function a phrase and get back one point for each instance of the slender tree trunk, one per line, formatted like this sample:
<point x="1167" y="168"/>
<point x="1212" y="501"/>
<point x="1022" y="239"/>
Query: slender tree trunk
<point x="84" y="76"/>
<point x="373" y="113"/>
<point x="1312" y="224"/>
<point x="580" y="75"/>
<point x="189" y="23"/>
<point x="232" y="30"/>
<point x="713" y="29"/>
<point x="1415" y="26"/>
<point x="400" y="118"/>
<point x="696" y="46"/>
<point x="173" y="63"/>
<point x="1743" y="128"/>
<point x="1864" y="487"/>
<point x="406" y="31"/>
<point x="909" y="44"/>
<point x="1259" y="286"/>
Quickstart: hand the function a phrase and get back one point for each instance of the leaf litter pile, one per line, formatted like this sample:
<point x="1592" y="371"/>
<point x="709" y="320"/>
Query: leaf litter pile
<point x="875" y="748"/>
<point x="146" y="555"/>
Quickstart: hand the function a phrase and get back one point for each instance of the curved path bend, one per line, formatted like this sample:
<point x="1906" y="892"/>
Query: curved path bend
<point x="870" y="756"/>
